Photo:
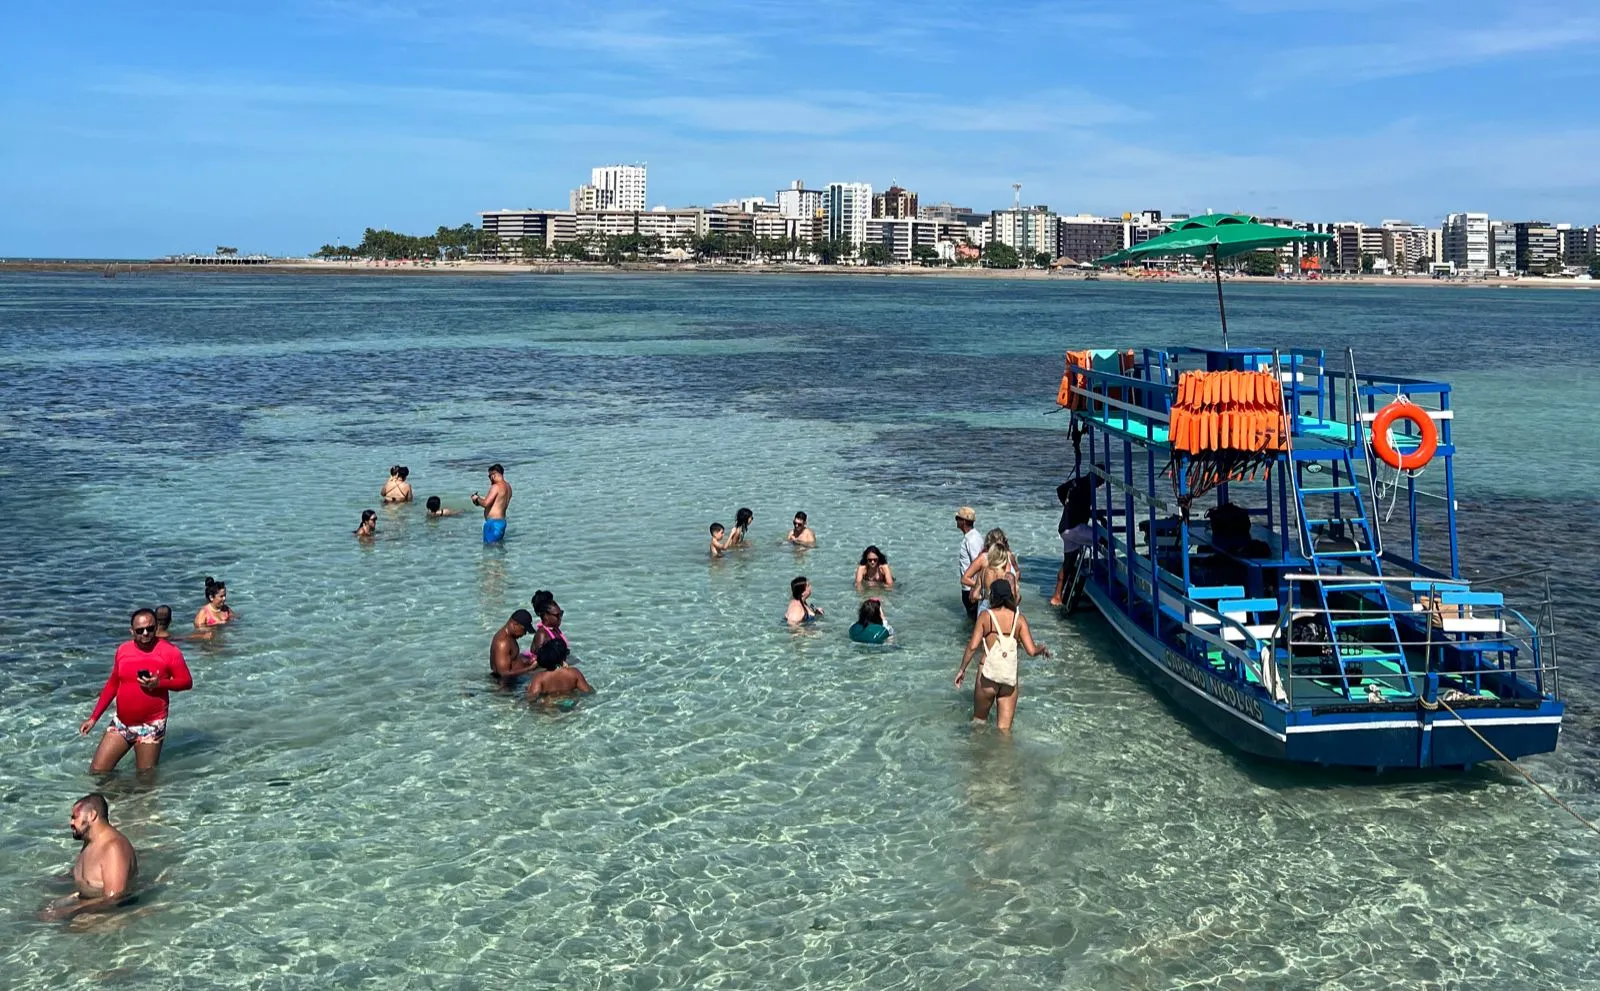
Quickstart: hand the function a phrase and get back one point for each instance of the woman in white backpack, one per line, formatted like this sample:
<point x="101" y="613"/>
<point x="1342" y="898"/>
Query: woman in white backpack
<point x="999" y="630"/>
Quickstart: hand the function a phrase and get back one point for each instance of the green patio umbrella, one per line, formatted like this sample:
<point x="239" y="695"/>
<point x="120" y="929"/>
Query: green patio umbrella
<point x="1220" y="235"/>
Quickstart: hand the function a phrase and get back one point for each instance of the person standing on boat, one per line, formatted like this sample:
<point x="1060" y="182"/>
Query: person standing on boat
<point x="1077" y="498"/>
<point x="999" y="631"/>
<point x="971" y="548"/>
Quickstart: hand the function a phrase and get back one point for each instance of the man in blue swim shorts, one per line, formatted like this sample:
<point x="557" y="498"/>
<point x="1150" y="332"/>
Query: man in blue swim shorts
<point x="494" y="505"/>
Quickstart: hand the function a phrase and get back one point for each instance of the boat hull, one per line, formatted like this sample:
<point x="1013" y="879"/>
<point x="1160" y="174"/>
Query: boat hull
<point x="1355" y="735"/>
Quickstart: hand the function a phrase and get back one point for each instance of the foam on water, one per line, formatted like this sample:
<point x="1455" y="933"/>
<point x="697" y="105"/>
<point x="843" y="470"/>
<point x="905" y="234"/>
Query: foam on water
<point x="342" y="798"/>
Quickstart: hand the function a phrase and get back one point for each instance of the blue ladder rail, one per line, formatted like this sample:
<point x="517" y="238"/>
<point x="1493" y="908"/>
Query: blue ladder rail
<point x="1384" y="644"/>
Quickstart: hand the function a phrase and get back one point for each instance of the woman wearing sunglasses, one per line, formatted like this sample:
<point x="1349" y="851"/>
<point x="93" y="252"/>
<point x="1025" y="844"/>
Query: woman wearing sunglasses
<point x="873" y="569"/>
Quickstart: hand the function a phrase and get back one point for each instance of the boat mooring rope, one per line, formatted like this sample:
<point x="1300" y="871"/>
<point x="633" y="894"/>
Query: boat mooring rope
<point x="1547" y="793"/>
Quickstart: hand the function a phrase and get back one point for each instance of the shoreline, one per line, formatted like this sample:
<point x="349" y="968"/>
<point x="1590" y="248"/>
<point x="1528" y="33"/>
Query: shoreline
<point x="289" y="266"/>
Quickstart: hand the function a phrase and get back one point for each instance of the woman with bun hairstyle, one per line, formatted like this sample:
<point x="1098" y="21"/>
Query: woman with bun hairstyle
<point x="216" y="611"/>
<point x="548" y="612"/>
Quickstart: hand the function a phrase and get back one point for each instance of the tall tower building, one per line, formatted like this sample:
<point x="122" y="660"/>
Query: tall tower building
<point x="847" y="207"/>
<point x="620" y="187"/>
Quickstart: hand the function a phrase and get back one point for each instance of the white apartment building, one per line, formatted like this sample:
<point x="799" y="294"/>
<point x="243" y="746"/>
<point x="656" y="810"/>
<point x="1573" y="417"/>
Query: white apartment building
<point x="1405" y="244"/>
<point x="622" y="187"/>
<point x="1031" y="230"/>
<point x="902" y="235"/>
<point x="671" y="226"/>
<point x="1466" y="242"/>
<point x="799" y="202"/>
<point x="846" y="209"/>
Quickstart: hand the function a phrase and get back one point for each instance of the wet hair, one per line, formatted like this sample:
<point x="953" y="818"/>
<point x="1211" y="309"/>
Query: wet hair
<point x="800" y="516"/>
<point x="368" y="514"/>
<point x="394" y="470"/>
<point x="433" y="504"/>
<point x="542" y="601"/>
<point x="873" y="549"/>
<point x="404" y="472"/>
<point x="213" y="586"/>
<point x="1001" y="595"/>
<point x="133" y="617"/>
<point x="871" y="613"/>
<point x="522" y="619"/>
<point x="96" y="803"/>
<point x="797" y="587"/>
<point x="742" y="518"/>
<point x="717" y="528"/>
<point x="552" y="654"/>
<point x="163" y="615"/>
<point x="496" y="469"/>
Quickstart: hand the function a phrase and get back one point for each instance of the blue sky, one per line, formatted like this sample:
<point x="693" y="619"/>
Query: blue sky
<point x="142" y="129"/>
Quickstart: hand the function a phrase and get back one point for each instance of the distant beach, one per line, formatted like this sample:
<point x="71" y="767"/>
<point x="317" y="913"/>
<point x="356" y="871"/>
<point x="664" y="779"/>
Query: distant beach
<point x="300" y="266"/>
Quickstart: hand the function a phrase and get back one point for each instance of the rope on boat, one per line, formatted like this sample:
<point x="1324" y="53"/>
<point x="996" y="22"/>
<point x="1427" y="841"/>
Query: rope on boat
<point x="1481" y="739"/>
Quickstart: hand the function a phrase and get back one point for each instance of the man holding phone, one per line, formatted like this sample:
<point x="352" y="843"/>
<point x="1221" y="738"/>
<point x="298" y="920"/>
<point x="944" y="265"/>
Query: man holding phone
<point x="143" y="672"/>
<point x="494" y="505"/>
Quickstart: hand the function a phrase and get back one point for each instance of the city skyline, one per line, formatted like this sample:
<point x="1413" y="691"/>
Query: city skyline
<point x="142" y="133"/>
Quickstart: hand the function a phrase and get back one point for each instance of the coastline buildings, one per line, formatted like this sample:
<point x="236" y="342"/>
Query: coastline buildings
<point x="1029" y="230"/>
<point x="798" y="201"/>
<point x="544" y="227"/>
<point x="1466" y="241"/>
<point x="894" y="203"/>
<point x="1538" y="247"/>
<point x="846" y="208"/>
<point x="612" y="187"/>
<point x="1085" y="237"/>
<point x="801" y="218"/>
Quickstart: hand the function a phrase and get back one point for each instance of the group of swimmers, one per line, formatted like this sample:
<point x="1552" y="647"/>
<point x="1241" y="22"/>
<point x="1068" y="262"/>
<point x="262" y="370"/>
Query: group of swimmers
<point x="549" y="659"/>
<point x="989" y="577"/>
<point x="397" y="489"/>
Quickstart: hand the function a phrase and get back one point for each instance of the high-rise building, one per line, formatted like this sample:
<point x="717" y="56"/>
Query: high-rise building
<point x="894" y="203"/>
<point x="1405" y="245"/>
<point x="846" y="209"/>
<point x="800" y="203"/>
<point x="1466" y="242"/>
<point x="1030" y="231"/>
<point x="1538" y="247"/>
<point x="1503" y="246"/>
<point x="515" y="228"/>
<point x="1579" y="244"/>
<point x="622" y="187"/>
<point x="949" y="211"/>
<point x="1086" y="237"/>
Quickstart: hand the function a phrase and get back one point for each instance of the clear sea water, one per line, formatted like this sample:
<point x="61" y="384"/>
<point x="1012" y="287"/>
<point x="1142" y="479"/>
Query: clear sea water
<point x="343" y="803"/>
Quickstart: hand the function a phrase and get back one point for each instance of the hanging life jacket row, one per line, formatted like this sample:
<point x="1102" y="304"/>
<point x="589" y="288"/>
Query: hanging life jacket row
<point x="1228" y="411"/>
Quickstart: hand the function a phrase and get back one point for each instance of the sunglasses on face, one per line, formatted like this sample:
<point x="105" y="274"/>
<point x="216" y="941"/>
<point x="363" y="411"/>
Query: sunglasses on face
<point x="872" y="560"/>
<point x="140" y="631"/>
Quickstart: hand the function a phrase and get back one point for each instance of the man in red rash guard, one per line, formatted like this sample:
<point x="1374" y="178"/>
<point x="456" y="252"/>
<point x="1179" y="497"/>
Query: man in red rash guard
<point x="143" y="672"/>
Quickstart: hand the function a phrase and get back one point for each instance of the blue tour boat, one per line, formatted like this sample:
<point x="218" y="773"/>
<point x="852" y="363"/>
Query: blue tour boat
<point x="1284" y="579"/>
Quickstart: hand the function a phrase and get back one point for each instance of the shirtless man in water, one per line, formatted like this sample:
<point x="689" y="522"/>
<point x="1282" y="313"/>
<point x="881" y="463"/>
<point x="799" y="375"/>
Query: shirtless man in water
<point x="494" y="505"/>
<point x="105" y="868"/>
<point x="506" y="662"/>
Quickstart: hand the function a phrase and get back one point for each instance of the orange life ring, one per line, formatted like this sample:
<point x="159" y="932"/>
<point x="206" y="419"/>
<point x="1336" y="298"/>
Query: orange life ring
<point x="1427" y="442"/>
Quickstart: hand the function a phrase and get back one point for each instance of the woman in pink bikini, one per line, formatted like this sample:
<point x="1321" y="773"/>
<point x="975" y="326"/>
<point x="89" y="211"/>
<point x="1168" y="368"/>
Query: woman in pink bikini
<point x="549" y="612"/>
<point x="216" y="611"/>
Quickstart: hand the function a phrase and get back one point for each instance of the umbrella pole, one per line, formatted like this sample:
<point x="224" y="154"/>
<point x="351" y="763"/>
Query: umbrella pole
<point x="1216" y="270"/>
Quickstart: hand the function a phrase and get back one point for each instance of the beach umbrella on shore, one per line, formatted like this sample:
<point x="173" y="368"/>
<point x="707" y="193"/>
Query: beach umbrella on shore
<point x="1219" y="235"/>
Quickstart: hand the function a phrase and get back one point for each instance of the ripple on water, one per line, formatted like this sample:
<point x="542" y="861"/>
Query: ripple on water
<point x="344" y="800"/>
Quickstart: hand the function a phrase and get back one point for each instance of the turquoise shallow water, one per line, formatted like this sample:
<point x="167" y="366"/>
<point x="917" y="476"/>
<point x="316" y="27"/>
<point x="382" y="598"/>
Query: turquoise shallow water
<point x="341" y="802"/>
